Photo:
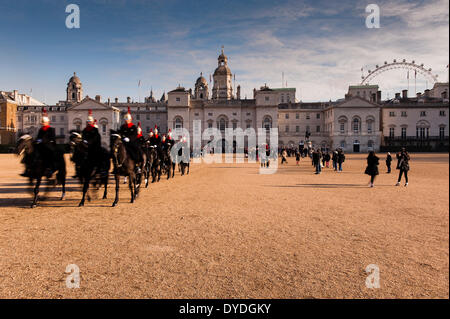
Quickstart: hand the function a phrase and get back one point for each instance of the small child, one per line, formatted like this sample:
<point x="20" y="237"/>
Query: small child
<point x="297" y="157"/>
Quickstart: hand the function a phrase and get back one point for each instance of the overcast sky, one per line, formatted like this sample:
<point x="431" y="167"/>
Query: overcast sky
<point x="319" y="45"/>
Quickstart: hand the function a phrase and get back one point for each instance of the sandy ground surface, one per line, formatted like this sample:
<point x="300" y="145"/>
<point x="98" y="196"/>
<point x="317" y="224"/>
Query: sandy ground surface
<point x="225" y="231"/>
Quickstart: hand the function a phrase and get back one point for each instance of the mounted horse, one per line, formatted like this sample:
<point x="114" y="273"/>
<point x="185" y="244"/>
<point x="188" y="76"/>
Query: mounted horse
<point x="38" y="164"/>
<point x="90" y="165"/>
<point x="123" y="166"/>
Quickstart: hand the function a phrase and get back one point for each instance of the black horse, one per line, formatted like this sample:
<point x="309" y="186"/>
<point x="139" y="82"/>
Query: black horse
<point x="167" y="165"/>
<point x="37" y="166"/>
<point x="151" y="161"/>
<point x="123" y="166"/>
<point x="87" y="170"/>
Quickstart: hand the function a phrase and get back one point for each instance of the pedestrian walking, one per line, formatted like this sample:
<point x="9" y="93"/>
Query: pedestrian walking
<point x="388" y="162"/>
<point x="372" y="167"/>
<point x="403" y="165"/>
<point x="297" y="157"/>
<point x="340" y="159"/>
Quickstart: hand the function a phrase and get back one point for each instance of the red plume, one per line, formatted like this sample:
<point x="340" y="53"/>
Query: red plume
<point x="139" y="123"/>
<point x="90" y="112"/>
<point x="129" y="110"/>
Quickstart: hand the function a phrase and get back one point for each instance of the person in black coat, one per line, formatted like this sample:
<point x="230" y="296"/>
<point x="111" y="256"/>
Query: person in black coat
<point x="316" y="156"/>
<point x="129" y="133"/>
<point x="46" y="145"/>
<point x="388" y="162"/>
<point x="403" y="165"/>
<point x="340" y="159"/>
<point x="372" y="167"/>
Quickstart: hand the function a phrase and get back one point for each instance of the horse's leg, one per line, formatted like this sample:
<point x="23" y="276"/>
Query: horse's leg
<point x="130" y="184"/>
<point x="62" y="180"/>
<point x="116" y="200"/>
<point x="188" y="167"/>
<point x="105" y="181"/>
<point x="173" y="170"/>
<point x="85" y="189"/>
<point x="36" y="191"/>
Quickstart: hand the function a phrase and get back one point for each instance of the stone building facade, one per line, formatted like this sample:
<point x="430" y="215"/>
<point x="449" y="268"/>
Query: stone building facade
<point x="359" y="122"/>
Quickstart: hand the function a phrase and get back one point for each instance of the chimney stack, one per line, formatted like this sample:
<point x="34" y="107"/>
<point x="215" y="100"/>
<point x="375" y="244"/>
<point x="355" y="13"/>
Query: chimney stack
<point x="427" y="93"/>
<point x="238" y="92"/>
<point x="444" y="95"/>
<point x="374" y="97"/>
<point x="128" y="99"/>
<point x="109" y="101"/>
<point x="97" y="98"/>
<point x="378" y="96"/>
<point x="397" y="96"/>
<point x="418" y="94"/>
<point x="404" y="94"/>
<point x="116" y="100"/>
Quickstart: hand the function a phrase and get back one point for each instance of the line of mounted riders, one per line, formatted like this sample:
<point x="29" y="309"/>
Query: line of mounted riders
<point x="133" y="156"/>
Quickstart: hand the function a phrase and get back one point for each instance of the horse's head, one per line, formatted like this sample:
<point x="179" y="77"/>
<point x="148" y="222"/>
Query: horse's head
<point x="115" y="142"/>
<point x="24" y="145"/>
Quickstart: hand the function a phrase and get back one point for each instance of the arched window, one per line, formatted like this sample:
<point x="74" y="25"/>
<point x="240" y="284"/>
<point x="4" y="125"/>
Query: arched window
<point x="342" y="120"/>
<point x="267" y="123"/>
<point x="222" y="123"/>
<point x="356" y="125"/>
<point x="77" y="124"/>
<point x="178" y="123"/>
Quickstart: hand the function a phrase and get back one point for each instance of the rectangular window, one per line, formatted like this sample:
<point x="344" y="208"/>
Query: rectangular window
<point x="248" y="125"/>
<point x="234" y="125"/>
<point x="297" y="116"/>
<point x="53" y="119"/>
<point x="403" y="132"/>
<point x="210" y="114"/>
<point x="138" y="117"/>
<point x="442" y="132"/>
<point x="318" y="128"/>
<point x="391" y="132"/>
<point x="248" y="113"/>
<point x="423" y="113"/>
<point x="147" y="117"/>
<point x="297" y="128"/>
<point x="61" y="131"/>
<point x="234" y="114"/>
<point x="392" y="114"/>
<point x="104" y="128"/>
<point x="318" y="116"/>
<point x="287" y="116"/>
<point x="210" y="125"/>
<point x="307" y="116"/>
<point x="369" y="127"/>
<point x="196" y="114"/>
<point x="441" y="113"/>
<point x="267" y="98"/>
<point x="287" y="128"/>
<point x="62" y="118"/>
<point x="178" y="99"/>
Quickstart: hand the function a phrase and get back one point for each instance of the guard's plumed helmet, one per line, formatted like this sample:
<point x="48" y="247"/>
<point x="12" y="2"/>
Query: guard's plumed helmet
<point x="139" y="129"/>
<point x="156" y="129"/>
<point x="128" y="115"/>
<point x="45" y="119"/>
<point x="170" y="133"/>
<point x="90" y="118"/>
<point x="150" y="133"/>
<point x="95" y="123"/>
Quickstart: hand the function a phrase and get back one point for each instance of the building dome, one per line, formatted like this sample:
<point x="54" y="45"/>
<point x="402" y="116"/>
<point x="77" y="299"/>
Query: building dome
<point x="201" y="80"/>
<point x="75" y="79"/>
<point x="222" y="70"/>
